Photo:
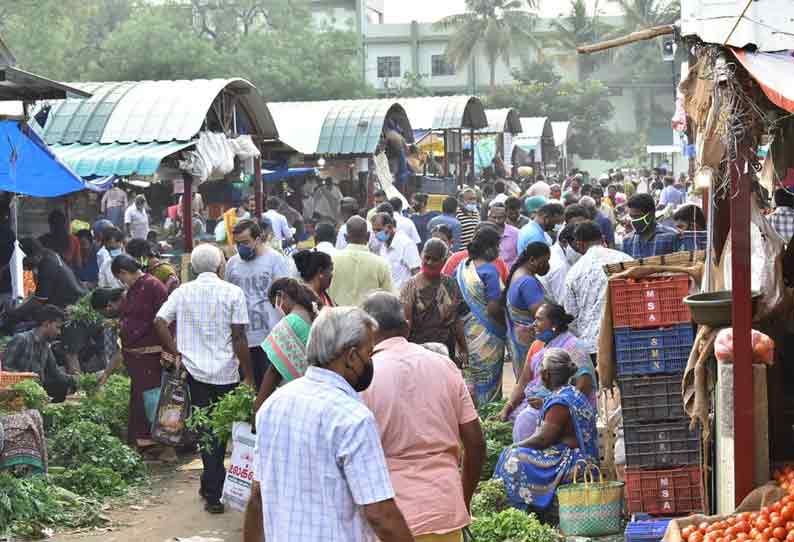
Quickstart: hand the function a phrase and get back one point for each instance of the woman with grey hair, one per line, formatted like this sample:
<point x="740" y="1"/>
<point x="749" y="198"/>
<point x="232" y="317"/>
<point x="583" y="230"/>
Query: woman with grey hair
<point x="432" y="303"/>
<point x="533" y="468"/>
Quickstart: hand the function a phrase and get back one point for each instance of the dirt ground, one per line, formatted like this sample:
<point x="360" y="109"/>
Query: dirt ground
<point x="170" y="510"/>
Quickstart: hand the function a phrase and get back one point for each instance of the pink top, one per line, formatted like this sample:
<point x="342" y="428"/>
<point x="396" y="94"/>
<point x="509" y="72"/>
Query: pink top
<point x="420" y="400"/>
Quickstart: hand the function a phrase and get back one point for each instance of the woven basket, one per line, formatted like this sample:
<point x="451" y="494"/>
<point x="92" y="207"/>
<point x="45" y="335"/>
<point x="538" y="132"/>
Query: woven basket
<point x="677" y="258"/>
<point x="8" y="379"/>
<point x="590" y="508"/>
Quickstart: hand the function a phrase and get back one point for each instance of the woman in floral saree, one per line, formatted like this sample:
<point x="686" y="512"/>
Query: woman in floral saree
<point x="481" y="288"/>
<point x="285" y="346"/>
<point x="533" y="468"/>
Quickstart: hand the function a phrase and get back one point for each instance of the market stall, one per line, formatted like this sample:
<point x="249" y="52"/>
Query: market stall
<point x="560" y="131"/>
<point x="496" y="139"/>
<point x="535" y="146"/>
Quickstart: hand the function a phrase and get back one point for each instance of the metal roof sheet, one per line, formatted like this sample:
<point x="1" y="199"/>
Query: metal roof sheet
<point x="767" y="24"/>
<point x="445" y="112"/>
<point x="149" y="111"/>
<point x="502" y="121"/>
<point x="16" y="84"/>
<point x="337" y="127"/>
<point x="536" y="127"/>
<point x="122" y="159"/>
<point x="560" y="131"/>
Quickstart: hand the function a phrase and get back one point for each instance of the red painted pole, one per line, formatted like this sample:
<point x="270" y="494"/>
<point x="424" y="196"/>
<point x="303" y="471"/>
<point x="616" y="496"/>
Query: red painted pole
<point x="258" y="185"/>
<point x="187" y="211"/>
<point x="742" y="314"/>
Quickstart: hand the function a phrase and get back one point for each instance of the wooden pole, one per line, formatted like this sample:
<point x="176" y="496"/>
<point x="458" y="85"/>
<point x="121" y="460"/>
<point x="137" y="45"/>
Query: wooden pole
<point x="446" y="154"/>
<point x="187" y="211"/>
<point x="461" y="178"/>
<point x="258" y="186"/>
<point x="471" y="137"/>
<point x="742" y="319"/>
<point x="634" y="37"/>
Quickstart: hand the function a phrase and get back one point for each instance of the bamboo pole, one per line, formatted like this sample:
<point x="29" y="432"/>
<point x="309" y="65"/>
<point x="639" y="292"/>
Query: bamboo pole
<point x="634" y="37"/>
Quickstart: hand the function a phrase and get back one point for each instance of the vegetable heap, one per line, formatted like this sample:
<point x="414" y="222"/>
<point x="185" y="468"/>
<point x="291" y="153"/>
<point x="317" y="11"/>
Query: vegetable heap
<point x="237" y="406"/>
<point x="514" y="526"/>
<point x="498" y="436"/>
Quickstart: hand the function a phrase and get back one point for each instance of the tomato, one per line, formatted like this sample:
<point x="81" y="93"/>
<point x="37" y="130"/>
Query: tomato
<point x="790" y="536"/>
<point x="742" y="526"/>
<point x="762" y="523"/>
<point x="767" y="532"/>
<point x="779" y="533"/>
<point x="754" y="532"/>
<point x="774" y="540"/>
<point x="776" y="521"/>
<point x="787" y="512"/>
<point x="765" y="511"/>
<point x="789" y="526"/>
<point x="687" y="532"/>
<point x="696" y="536"/>
<point x="776" y="507"/>
<point x="742" y="537"/>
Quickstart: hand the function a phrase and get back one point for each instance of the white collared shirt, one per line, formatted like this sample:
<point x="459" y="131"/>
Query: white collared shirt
<point x="402" y="256"/>
<point x="204" y="311"/>
<point x="407" y="226"/>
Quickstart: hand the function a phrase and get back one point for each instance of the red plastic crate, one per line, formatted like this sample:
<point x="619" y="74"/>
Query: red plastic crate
<point x="664" y="492"/>
<point x="653" y="302"/>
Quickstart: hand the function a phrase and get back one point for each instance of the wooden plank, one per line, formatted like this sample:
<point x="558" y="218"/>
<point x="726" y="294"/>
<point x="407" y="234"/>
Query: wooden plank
<point x="634" y="37"/>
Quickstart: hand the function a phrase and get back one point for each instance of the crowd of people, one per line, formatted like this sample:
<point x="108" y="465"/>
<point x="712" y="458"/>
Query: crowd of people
<point x="370" y="351"/>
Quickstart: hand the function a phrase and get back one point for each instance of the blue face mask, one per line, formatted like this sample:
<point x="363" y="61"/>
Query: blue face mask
<point x="246" y="253"/>
<point x="115" y="252"/>
<point x="471" y="207"/>
<point x="545" y="336"/>
<point x="382" y="236"/>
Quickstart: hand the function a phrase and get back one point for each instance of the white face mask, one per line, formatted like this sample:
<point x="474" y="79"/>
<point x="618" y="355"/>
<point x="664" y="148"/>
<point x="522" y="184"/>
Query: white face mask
<point x="571" y="255"/>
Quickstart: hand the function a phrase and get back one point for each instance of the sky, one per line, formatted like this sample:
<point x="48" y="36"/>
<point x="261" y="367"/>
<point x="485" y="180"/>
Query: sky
<point x="405" y="11"/>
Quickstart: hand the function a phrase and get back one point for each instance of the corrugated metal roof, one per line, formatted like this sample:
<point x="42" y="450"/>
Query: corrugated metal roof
<point x="149" y="111"/>
<point x="123" y="159"/>
<point x="445" y="112"/>
<point x="16" y="84"/>
<point x="351" y="127"/>
<point x="560" y="131"/>
<point x="767" y="24"/>
<point x="501" y="121"/>
<point x="536" y="127"/>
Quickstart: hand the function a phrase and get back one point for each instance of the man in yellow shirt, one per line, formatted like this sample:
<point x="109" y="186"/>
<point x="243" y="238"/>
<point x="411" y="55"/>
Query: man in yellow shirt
<point x="241" y="210"/>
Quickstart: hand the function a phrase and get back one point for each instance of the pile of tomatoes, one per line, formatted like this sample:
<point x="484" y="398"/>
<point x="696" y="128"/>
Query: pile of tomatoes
<point x="773" y="523"/>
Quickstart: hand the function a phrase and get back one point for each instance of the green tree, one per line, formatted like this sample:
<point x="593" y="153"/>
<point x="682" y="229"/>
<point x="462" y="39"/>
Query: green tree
<point x="578" y="29"/>
<point x="585" y="104"/>
<point x="498" y="27"/>
<point x="411" y="86"/>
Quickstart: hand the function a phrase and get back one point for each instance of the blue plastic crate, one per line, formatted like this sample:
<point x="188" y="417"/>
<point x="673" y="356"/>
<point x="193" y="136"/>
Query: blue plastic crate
<point x="647" y="351"/>
<point x="646" y="531"/>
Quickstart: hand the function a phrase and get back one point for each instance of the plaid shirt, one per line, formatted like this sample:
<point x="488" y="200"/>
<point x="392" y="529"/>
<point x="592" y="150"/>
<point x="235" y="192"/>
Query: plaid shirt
<point x="782" y="219"/>
<point x="319" y="460"/>
<point x="204" y="311"/>
<point x="664" y="241"/>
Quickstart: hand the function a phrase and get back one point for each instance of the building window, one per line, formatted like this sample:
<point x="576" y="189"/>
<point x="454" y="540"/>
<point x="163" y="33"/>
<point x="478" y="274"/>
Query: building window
<point x="388" y="66"/>
<point x="440" y="66"/>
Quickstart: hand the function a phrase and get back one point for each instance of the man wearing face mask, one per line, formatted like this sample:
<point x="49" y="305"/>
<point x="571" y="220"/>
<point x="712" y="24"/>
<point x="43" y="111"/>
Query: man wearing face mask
<point x="136" y="219"/>
<point x="563" y="257"/>
<point x="469" y="216"/>
<point x="649" y="238"/>
<point x="319" y="424"/>
<point x="114" y="243"/>
<point x="254" y="269"/>
<point x="426" y="417"/>
<point x="586" y="284"/>
<point x="508" y="247"/>
<point x="396" y="248"/>
<point x="538" y="229"/>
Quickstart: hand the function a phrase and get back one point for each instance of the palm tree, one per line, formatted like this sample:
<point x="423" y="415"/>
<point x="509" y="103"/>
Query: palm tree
<point x="578" y="29"/>
<point x="498" y="26"/>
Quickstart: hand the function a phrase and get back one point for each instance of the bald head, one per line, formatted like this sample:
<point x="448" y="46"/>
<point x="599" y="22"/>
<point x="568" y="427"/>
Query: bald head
<point x="357" y="233"/>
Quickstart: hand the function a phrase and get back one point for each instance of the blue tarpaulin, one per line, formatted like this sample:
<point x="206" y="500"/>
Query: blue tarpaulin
<point x="283" y="173"/>
<point x="28" y="167"/>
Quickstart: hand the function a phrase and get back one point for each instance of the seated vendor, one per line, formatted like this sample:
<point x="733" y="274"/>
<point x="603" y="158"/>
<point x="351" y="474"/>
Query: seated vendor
<point x="525" y="403"/>
<point x="533" y="468"/>
<point x="23" y="450"/>
<point x="30" y="352"/>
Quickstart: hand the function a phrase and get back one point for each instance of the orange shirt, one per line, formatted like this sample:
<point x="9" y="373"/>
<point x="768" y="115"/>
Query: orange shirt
<point x="455" y="259"/>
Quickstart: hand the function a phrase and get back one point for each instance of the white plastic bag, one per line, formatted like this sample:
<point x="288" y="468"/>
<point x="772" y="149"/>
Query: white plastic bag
<point x="240" y="474"/>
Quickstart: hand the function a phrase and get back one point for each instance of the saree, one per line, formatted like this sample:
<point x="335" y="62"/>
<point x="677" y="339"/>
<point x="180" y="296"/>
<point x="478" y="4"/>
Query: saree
<point x="531" y="476"/>
<point x="519" y="316"/>
<point x="526" y="418"/>
<point x="24" y="450"/>
<point x="285" y="346"/>
<point x="484" y="336"/>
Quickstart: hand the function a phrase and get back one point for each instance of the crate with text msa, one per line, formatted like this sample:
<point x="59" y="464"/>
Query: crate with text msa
<point x="653" y="302"/>
<point x="664" y="492"/>
<point x="647" y="351"/>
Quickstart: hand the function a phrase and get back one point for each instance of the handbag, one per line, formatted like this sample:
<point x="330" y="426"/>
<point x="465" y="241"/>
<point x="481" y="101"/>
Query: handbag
<point x="173" y="409"/>
<point x="590" y="508"/>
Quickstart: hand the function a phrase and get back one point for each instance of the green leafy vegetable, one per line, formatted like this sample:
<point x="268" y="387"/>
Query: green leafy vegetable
<point x="108" y="407"/>
<point x="498" y="436"/>
<point x="91" y="481"/>
<point x="491" y="497"/>
<point x="88" y="383"/>
<point x="236" y="406"/>
<point x="87" y="443"/>
<point x="82" y="312"/>
<point x="514" y="526"/>
<point x="489" y="410"/>
<point x="32" y="393"/>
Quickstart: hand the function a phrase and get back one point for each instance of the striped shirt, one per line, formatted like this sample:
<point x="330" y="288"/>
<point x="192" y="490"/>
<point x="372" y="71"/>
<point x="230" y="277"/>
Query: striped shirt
<point x="204" y="311"/>
<point x="468" y="226"/>
<point x="319" y="460"/>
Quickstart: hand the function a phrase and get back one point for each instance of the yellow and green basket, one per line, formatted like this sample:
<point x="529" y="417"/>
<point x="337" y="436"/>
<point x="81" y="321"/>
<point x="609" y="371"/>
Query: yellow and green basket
<point x="590" y="508"/>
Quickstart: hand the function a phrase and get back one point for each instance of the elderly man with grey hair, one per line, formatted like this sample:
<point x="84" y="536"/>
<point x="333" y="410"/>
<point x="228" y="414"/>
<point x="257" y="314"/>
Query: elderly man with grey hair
<point x="211" y="346"/>
<point x="607" y="229"/>
<point x="319" y="467"/>
<point x="424" y="411"/>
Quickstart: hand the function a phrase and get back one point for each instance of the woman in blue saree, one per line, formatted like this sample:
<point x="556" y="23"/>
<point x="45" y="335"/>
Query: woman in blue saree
<point x="481" y="287"/>
<point x="523" y="296"/>
<point x="533" y="468"/>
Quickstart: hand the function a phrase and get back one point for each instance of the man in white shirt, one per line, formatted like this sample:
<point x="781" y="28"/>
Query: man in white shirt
<point x="136" y="219"/>
<point x="211" y="316"/>
<point x="586" y="284"/>
<point x="396" y="248"/>
<point x="324" y="238"/>
<point x="500" y="197"/>
<point x="282" y="233"/>
<point x="113" y="245"/>
<point x="563" y="256"/>
<point x="404" y="224"/>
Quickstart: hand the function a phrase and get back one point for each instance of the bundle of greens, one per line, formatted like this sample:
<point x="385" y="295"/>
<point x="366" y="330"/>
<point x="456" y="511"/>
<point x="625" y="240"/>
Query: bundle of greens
<point x="83" y="313"/>
<point x="237" y="406"/>
<point x="88" y="383"/>
<point x="490" y="410"/>
<point x="498" y="436"/>
<point x="90" y="481"/>
<point x="28" y="506"/>
<point x="514" y="526"/>
<point x="491" y="497"/>
<point x="87" y="443"/>
<point x="32" y="394"/>
<point x="107" y="407"/>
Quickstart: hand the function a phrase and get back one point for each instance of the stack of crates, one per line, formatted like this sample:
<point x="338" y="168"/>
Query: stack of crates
<point x="653" y="339"/>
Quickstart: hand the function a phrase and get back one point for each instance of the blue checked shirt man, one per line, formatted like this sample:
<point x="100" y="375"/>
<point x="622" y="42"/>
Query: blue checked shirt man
<point x="319" y="466"/>
<point x="782" y="218"/>
<point x="649" y="238"/>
